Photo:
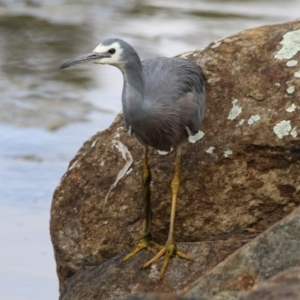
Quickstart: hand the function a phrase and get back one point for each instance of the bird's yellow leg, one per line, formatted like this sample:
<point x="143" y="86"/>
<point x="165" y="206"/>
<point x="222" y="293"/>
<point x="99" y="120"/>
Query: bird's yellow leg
<point x="145" y="242"/>
<point x="170" y="248"/>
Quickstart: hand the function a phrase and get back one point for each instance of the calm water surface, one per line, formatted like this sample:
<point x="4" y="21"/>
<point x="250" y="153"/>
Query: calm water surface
<point x="46" y="114"/>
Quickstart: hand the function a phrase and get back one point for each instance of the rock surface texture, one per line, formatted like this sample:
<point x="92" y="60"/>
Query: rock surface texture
<point x="113" y="279"/>
<point x="242" y="173"/>
<point x="284" y="286"/>
<point x="273" y="251"/>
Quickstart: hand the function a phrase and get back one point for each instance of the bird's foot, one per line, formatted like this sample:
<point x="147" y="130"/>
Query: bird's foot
<point x="168" y="251"/>
<point x="144" y="243"/>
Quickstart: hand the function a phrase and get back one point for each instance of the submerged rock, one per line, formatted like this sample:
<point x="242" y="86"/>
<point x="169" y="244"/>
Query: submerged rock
<point x="242" y="173"/>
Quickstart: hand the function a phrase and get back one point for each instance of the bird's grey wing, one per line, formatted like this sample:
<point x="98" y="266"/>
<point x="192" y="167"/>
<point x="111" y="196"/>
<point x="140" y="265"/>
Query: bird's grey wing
<point x="174" y="101"/>
<point x="179" y="84"/>
<point x="193" y="101"/>
<point x="192" y="106"/>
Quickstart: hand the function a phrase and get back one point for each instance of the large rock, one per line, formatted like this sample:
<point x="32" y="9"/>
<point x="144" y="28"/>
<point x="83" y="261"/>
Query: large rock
<point x="275" y="250"/>
<point x="250" y="269"/>
<point x="114" y="280"/>
<point x="284" y="286"/>
<point x="244" y="171"/>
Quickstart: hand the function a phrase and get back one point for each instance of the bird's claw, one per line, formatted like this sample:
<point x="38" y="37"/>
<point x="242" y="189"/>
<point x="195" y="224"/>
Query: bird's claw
<point x="168" y="251"/>
<point x="143" y="243"/>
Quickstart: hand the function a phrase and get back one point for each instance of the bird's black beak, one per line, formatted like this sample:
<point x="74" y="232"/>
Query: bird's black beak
<point x="88" y="58"/>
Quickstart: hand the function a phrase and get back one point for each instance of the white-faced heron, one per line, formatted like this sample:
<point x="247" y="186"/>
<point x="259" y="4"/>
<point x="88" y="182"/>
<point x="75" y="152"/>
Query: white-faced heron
<point x="163" y="103"/>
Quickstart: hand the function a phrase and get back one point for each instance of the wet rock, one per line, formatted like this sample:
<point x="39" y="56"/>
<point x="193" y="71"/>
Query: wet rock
<point x="243" y="173"/>
<point x="113" y="280"/>
<point x="273" y="251"/>
<point x="283" y="286"/>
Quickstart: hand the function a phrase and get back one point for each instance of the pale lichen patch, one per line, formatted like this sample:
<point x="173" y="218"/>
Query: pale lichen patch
<point x="210" y="150"/>
<point x="290" y="45"/>
<point x="291" y="108"/>
<point x="282" y="128"/>
<point x="297" y="74"/>
<point x="216" y="44"/>
<point x="129" y="171"/>
<point x="200" y="49"/>
<point x="94" y="143"/>
<point x="292" y="63"/>
<point x="134" y="288"/>
<point x="73" y="165"/>
<point x="213" y="80"/>
<point x="277" y="84"/>
<point x="194" y="138"/>
<point x="241" y="122"/>
<point x="161" y="152"/>
<point x="154" y="273"/>
<point x="117" y="135"/>
<point x="235" y="111"/>
<point x="253" y="119"/>
<point x="186" y="54"/>
<point x="293" y="132"/>
<point x="227" y="153"/>
<point x="291" y="89"/>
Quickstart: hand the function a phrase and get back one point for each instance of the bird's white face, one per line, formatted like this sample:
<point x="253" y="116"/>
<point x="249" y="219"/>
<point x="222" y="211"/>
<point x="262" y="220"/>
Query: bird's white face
<point x="114" y="50"/>
<point x="109" y="52"/>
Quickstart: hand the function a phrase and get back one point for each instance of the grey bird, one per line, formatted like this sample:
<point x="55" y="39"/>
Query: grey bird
<point x="163" y="103"/>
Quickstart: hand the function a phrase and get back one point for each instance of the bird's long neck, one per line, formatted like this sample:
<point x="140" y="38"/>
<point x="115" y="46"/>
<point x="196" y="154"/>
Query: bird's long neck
<point x="134" y="85"/>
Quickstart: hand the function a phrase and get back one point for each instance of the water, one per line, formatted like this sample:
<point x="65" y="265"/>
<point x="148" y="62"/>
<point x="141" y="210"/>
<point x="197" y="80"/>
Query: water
<point x="46" y="114"/>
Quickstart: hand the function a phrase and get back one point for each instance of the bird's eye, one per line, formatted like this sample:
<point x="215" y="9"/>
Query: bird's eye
<point x="112" y="51"/>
